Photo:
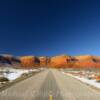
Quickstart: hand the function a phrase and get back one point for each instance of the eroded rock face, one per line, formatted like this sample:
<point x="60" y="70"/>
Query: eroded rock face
<point x="61" y="61"/>
<point x="58" y="61"/>
<point x="88" y="58"/>
<point x="9" y="60"/>
<point x="43" y="61"/>
<point x="29" y="61"/>
<point x="87" y="61"/>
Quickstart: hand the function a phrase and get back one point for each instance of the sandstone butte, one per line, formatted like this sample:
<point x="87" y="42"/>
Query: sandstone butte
<point x="29" y="61"/>
<point x="61" y="61"/>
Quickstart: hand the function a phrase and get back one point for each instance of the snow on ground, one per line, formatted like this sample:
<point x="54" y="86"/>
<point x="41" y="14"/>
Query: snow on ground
<point x="15" y="73"/>
<point x="85" y="80"/>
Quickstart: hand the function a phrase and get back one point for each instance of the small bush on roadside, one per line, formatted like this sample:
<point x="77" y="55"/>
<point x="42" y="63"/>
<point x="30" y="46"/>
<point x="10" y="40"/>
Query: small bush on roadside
<point x="4" y="79"/>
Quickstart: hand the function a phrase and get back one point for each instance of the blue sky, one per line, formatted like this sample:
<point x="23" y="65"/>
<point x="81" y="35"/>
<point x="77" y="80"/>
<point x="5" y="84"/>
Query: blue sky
<point x="50" y="27"/>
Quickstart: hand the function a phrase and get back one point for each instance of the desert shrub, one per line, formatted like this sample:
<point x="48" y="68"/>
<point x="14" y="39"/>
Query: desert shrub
<point x="3" y="79"/>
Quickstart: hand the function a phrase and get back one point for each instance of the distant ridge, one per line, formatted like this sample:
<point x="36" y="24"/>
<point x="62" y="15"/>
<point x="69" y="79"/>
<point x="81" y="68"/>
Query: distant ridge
<point x="59" y="61"/>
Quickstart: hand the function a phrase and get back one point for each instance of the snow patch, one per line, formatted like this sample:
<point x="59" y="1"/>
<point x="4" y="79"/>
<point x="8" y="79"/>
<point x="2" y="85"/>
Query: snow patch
<point x="15" y="73"/>
<point x="85" y="80"/>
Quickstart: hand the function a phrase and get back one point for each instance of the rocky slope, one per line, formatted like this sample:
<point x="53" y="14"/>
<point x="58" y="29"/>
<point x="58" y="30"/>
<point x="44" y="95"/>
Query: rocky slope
<point x="88" y="61"/>
<point x="61" y="61"/>
<point x="9" y="61"/>
<point x="29" y="61"/>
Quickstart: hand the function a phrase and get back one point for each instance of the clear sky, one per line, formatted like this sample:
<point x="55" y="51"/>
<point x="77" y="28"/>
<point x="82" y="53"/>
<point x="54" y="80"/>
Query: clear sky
<point x="50" y="27"/>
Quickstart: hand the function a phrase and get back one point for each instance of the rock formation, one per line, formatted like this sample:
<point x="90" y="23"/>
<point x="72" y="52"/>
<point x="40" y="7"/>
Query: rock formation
<point x="61" y="61"/>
